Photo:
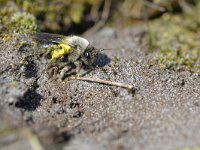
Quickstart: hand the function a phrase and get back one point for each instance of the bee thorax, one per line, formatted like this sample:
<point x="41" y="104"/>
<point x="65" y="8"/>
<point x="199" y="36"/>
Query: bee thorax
<point x="78" y="41"/>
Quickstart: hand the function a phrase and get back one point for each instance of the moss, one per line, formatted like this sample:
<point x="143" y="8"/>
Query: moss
<point x="23" y="22"/>
<point x="15" y="21"/>
<point x="57" y="15"/>
<point x="176" y="37"/>
<point x="52" y="15"/>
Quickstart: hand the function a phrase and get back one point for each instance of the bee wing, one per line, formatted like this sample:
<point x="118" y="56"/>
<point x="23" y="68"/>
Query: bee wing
<point x="48" y="38"/>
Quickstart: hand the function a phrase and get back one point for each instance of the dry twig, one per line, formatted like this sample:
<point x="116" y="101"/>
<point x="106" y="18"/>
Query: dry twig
<point x="122" y="85"/>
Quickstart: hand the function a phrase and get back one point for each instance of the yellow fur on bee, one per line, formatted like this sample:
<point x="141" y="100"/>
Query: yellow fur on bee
<point x="63" y="49"/>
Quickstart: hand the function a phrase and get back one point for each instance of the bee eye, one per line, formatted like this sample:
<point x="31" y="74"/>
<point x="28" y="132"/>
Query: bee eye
<point x="87" y="55"/>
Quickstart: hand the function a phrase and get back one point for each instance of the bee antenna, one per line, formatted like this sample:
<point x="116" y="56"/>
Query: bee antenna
<point x="107" y="49"/>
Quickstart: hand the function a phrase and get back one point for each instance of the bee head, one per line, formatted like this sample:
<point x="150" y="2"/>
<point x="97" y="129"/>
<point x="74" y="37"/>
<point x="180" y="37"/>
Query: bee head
<point x="89" y="56"/>
<point x="82" y="51"/>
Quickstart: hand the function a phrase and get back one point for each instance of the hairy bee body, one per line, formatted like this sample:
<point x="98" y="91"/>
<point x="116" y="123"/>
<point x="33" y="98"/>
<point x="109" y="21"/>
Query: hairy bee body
<point x="76" y="49"/>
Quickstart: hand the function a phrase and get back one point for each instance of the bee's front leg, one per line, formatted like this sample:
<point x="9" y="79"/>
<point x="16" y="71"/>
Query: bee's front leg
<point x="78" y="65"/>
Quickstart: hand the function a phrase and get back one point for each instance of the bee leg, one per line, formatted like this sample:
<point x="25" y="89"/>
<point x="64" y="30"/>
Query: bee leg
<point x="78" y="65"/>
<point x="54" y="67"/>
<point x="62" y="65"/>
<point x="51" y="69"/>
<point x="63" y="72"/>
<point x="46" y="53"/>
<point x="66" y="71"/>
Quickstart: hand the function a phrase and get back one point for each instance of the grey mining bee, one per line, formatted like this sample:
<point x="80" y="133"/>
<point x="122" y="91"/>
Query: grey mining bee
<point x="76" y="50"/>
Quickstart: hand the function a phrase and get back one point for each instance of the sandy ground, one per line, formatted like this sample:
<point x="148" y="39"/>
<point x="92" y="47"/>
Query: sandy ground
<point x="162" y="112"/>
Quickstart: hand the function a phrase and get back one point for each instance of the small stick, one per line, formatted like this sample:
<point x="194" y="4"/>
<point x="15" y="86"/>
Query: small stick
<point x="129" y="87"/>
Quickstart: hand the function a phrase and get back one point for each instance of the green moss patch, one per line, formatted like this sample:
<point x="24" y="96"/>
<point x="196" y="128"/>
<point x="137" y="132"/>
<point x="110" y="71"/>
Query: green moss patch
<point x="176" y="38"/>
<point x="12" y="20"/>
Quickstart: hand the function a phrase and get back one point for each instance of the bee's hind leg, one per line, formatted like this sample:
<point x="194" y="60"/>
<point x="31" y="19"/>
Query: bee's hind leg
<point x="51" y="69"/>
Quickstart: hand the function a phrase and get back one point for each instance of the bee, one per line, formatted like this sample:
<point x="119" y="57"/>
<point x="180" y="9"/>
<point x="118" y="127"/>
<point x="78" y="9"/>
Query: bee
<point x="74" y="50"/>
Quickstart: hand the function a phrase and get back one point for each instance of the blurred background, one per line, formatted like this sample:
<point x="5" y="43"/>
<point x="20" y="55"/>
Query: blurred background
<point x="78" y="16"/>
